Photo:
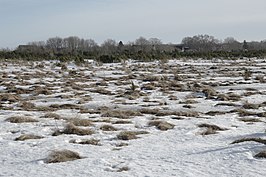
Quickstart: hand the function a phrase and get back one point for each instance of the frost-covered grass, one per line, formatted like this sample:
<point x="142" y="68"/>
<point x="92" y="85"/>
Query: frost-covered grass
<point x="177" y="118"/>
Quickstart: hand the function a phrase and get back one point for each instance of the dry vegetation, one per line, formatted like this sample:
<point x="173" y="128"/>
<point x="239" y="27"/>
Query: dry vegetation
<point x="72" y="129"/>
<point x="21" y="119"/>
<point x="27" y="137"/>
<point x="59" y="156"/>
<point x="92" y="141"/>
<point x="210" y="129"/>
<point x="161" y="125"/>
<point x="124" y="105"/>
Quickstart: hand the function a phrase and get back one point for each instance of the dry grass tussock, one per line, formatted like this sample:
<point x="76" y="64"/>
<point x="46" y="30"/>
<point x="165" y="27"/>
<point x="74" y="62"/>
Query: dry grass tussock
<point x="42" y="91"/>
<point x="209" y="92"/>
<point x="52" y="115"/>
<point x="261" y="154"/>
<point x="21" y="119"/>
<point x="247" y="119"/>
<point x="123" y="114"/>
<point x="101" y="90"/>
<point x="108" y="128"/>
<point x="58" y="156"/>
<point x="158" y="112"/>
<point x="28" y="106"/>
<point x="210" y="129"/>
<point x="247" y="105"/>
<point x="122" y="122"/>
<point x="258" y="140"/>
<point x="161" y="125"/>
<point x="72" y="129"/>
<point x="229" y="97"/>
<point x="214" y="113"/>
<point x="244" y="113"/>
<point x="80" y="122"/>
<point x="9" y="97"/>
<point x="86" y="141"/>
<point x="27" y="137"/>
<point x="129" y="135"/>
<point x="65" y="106"/>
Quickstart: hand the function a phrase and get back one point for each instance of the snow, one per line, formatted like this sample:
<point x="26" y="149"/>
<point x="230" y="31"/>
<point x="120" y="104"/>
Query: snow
<point x="181" y="151"/>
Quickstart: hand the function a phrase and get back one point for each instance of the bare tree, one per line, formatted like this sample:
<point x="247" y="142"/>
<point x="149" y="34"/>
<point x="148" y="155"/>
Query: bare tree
<point x="55" y="43"/>
<point x="201" y="43"/>
<point x="231" y="44"/>
<point x="109" y="46"/>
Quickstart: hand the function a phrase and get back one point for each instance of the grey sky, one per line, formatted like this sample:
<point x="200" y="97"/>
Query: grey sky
<point x="24" y="21"/>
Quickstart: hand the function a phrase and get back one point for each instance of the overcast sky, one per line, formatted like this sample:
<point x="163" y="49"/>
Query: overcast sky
<point x="24" y="21"/>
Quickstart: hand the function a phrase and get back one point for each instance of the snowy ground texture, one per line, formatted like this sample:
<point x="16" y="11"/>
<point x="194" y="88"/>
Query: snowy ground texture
<point x="175" y="118"/>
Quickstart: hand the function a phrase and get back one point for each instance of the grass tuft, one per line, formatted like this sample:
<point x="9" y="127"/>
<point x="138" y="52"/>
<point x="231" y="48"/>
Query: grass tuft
<point x="21" y="119"/>
<point x="59" y="156"/>
<point x="161" y="125"/>
<point x="27" y="137"/>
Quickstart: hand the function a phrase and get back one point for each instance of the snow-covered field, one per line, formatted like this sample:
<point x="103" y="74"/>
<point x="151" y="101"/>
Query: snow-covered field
<point x="175" y="118"/>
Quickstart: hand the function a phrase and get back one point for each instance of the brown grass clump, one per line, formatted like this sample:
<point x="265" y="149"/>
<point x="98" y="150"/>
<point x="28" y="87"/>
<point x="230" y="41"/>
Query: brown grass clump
<point x="243" y="113"/>
<point x="102" y="91"/>
<point x="65" y="106"/>
<point x="214" y="113"/>
<point x="210" y="129"/>
<point x="9" y="97"/>
<point x="161" y="125"/>
<point x="123" y="169"/>
<point x="261" y="154"/>
<point x="62" y="156"/>
<point x="27" y="137"/>
<point x="122" y="122"/>
<point x="247" y="105"/>
<point x="80" y="122"/>
<point x="21" y="119"/>
<point x="250" y="120"/>
<point x="129" y="135"/>
<point x="181" y="113"/>
<point x="226" y="104"/>
<point x="121" y="144"/>
<point x="209" y="92"/>
<point x="108" y="128"/>
<point x="52" y="115"/>
<point x="72" y="129"/>
<point x="189" y="101"/>
<point x="86" y="141"/>
<point x="150" y="78"/>
<point x="28" y="106"/>
<point x="149" y="111"/>
<point x="123" y="114"/>
<point x="258" y="140"/>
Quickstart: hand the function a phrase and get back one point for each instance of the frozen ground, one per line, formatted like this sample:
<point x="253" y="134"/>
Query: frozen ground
<point x="202" y="106"/>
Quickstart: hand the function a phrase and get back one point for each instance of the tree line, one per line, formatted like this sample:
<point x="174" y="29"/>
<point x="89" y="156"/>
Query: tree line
<point x="78" y="49"/>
